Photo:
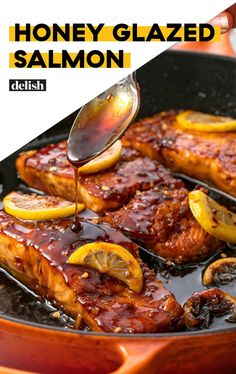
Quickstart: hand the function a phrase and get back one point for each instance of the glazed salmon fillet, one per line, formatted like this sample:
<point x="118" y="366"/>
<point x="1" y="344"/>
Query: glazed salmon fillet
<point x="209" y="157"/>
<point x="36" y="253"/>
<point x="153" y="204"/>
<point x="49" y="171"/>
<point x="161" y="221"/>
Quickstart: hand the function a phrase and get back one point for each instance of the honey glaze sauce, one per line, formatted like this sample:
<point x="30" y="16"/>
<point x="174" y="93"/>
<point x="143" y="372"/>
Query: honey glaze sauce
<point x="98" y="124"/>
<point x="184" y="280"/>
<point x="19" y="302"/>
<point x="97" y="127"/>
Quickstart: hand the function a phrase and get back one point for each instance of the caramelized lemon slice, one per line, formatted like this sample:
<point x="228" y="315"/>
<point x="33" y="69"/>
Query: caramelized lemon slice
<point x="198" y="121"/>
<point x="222" y="271"/>
<point x="36" y="207"/>
<point x="213" y="217"/>
<point x="111" y="259"/>
<point x="104" y="161"/>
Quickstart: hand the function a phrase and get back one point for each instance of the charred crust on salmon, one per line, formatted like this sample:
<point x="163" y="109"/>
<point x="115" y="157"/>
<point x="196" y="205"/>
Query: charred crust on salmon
<point x="99" y="300"/>
<point x="153" y="204"/>
<point x="205" y="156"/>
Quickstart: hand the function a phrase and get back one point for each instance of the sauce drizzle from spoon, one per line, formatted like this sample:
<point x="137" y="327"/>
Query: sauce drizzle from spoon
<point x="100" y="123"/>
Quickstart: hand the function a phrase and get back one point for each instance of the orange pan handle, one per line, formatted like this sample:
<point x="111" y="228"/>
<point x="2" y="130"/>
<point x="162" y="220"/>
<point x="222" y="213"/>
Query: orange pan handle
<point x="223" y="47"/>
<point x="139" y="357"/>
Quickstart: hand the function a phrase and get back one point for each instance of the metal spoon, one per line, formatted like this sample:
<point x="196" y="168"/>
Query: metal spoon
<point x="103" y="120"/>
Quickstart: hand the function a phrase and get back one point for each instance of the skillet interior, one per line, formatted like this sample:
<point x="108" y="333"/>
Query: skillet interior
<point x="181" y="80"/>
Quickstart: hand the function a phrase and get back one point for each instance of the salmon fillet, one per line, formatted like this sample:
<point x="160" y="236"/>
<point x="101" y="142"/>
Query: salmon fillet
<point x="36" y="253"/>
<point x="209" y="157"/>
<point x="154" y="206"/>
<point x="160" y="220"/>
<point x="49" y="171"/>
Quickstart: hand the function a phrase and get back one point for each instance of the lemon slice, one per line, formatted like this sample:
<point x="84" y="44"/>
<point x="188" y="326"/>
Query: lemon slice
<point x="222" y="271"/>
<point x="111" y="259"/>
<point x="213" y="217"/>
<point x="198" y="121"/>
<point x="36" y="207"/>
<point x="104" y="161"/>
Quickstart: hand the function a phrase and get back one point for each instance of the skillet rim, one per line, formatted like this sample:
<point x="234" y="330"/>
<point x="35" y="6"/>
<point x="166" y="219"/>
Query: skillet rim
<point x="159" y="335"/>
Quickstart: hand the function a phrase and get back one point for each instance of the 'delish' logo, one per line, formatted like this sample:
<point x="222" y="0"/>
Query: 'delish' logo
<point x="27" y="85"/>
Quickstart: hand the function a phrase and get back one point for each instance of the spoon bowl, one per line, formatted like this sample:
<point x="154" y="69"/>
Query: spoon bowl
<point x="103" y="120"/>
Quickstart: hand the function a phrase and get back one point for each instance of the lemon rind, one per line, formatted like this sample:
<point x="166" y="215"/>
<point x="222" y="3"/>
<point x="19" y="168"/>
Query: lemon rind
<point x="207" y="276"/>
<point x="135" y="283"/>
<point x="199" y="205"/>
<point x="204" y="127"/>
<point x="38" y="214"/>
<point x="95" y="166"/>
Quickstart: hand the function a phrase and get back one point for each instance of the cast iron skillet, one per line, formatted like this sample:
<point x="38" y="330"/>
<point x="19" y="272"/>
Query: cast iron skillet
<point x="174" y="80"/>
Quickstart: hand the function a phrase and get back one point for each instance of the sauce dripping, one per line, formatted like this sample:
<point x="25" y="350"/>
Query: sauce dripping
<point x="76" y="225"/>
<point x="99" y="124"/>
<point x="18" y="302"/>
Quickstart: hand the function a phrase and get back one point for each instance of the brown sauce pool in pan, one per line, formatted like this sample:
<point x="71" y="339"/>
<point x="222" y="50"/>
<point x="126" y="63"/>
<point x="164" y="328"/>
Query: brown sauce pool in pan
<point x="18" y="302"/>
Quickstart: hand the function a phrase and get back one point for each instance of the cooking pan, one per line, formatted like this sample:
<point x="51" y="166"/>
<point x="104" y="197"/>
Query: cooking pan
<point x="174" y="80"/>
